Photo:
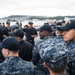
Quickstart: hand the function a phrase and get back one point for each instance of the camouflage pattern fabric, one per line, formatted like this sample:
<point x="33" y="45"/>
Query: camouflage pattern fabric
<point x="38" y="47"/>
<point x="70" y="46"/>
<point x="16" y="66"/>
<point x="44" y="46"/>
<point x="55" y="58"/>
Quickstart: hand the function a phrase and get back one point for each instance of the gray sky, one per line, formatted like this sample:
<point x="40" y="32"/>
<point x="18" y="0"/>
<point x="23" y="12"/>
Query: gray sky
<point x="37" y="7"/>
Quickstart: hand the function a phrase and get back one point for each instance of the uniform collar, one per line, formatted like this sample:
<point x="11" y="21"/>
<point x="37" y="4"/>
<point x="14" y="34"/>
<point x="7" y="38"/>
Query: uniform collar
<point x="70" y="42"/>
<point x="12" y="58"/>
<point x="47" y="37"/>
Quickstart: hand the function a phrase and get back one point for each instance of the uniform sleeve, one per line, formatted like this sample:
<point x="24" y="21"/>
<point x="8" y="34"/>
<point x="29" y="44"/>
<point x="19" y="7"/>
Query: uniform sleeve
<point x="71" y="65"/>
<point x="4" y="32"/>
<point x="35" y="32"/>
<point x="35" y="55"/>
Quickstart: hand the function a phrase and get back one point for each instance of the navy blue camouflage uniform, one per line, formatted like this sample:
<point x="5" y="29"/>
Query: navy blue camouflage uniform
<point x="50" y="42"/>
<point x="13" y="64"/>
<point x="38" y="47"/>
<point x="37" y="51"/>
<point x="56" y="42"/>
<point x="16" y="66"/>
<point x="54" y="58"/>
<point x="70" y="47"/>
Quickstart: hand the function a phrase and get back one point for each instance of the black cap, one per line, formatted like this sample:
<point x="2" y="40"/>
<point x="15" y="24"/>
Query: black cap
<point x="14" y="27"/>
<point x="30" y="23"/>
<point x="68" y="26"/>
<point x="8" y="23"/>
<point x="45" y="27"/>
<point x="63" y="22"/>
<point x="58" y="23"/>
<point x="19" y="33"/>
<point x="11" y="33"/>
<point x="10" y="43"/>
